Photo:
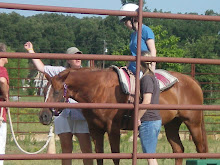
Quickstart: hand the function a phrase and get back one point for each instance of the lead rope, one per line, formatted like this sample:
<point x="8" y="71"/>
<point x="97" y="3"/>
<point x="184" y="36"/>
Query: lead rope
<point x="1" y="117"/>
<point x="50" y="135"/>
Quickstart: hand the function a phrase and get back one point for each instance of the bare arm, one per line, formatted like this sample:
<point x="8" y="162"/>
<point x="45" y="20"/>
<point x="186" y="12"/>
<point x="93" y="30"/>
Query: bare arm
<point x="4" y="87"/>
<point x="37" y="62"/>
<point x="151" y="45"/>
<point x="146" y="100"/>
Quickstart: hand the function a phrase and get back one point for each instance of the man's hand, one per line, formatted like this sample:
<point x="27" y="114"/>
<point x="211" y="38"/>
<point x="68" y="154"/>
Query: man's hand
<point x="29" y="47"/>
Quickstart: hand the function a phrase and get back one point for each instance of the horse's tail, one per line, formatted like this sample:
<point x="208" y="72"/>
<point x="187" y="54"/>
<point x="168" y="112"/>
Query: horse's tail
<point x="204" y="135"/>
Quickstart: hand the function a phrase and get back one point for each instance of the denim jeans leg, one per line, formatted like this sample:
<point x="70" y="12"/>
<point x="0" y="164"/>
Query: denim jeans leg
<point x="149" y="131"/>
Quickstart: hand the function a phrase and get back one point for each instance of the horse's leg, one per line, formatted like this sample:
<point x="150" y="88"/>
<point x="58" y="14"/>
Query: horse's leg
<point x="114" y="140"/>
<point x="172" y="133"/>
<point x="98" y="139"/>
<point x="197" y="130"/>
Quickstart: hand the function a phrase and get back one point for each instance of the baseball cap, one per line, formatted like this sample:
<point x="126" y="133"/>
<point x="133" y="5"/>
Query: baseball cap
<point x="73" y="50"/>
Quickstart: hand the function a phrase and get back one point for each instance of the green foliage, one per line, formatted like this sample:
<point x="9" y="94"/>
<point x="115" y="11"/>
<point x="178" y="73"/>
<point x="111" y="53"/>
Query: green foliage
<point x="15" y="73"/>
<point x="32" y="90"/>
<point x="167" y="46"/>
<point x="115" y="35"/>
<point x="205" y="48"/>
<point x="125" y="51"/>
<point x="211" y="13"/>
<point x="54" y="33"/>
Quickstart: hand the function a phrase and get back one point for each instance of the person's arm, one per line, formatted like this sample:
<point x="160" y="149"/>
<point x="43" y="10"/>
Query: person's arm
<point x="151" y="46"/>
<point x="146" y="100"/>
<point x="4" y="87"/>
<point x="37" y="62"/>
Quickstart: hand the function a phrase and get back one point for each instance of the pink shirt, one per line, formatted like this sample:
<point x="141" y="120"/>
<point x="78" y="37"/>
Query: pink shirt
<point x="4" y="73"/>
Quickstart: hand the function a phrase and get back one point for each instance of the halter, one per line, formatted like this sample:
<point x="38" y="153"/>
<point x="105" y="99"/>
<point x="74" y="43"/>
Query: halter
<point x="65" y="87"/>
<point x="53" y="111"/>
<point x="65" y="93"/>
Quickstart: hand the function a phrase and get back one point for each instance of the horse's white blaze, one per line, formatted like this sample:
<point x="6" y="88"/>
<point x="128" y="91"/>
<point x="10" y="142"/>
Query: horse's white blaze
<point x="48" y="91"/>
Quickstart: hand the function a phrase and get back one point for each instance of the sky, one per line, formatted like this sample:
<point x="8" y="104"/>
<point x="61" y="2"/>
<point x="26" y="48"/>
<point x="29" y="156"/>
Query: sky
<point x="173" y="6"/>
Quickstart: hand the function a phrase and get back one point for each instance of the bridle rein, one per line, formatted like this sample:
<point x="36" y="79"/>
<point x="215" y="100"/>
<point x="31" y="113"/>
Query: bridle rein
<point x="65" y="87"/>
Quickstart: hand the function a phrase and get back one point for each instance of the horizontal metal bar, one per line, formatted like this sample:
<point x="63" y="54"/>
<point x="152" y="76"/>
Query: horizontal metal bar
<point x="108" y="57"/>
<point x="212" y="123"/>
<point x="122" y="131"/>
<point x="22" y="122"/>
<point x="108" y="106"/>
<point x="107" y="156"/>
<point x="28" y="132"/>
<point x="107" y="12"/>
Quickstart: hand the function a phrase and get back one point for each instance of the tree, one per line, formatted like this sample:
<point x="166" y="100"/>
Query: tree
<point x="54" y="33"/>
<point x="211" y="12"/>
<point x="16" y="74"/>
<point x="205" y="48"/>
<point x="167" y="46"/>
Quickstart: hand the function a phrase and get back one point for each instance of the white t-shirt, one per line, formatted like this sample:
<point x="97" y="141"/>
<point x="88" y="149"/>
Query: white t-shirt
<point x="75" y="114"/>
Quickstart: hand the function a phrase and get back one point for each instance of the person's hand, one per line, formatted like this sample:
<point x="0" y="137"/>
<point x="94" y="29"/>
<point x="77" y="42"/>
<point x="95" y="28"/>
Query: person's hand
<point x="139" y="123"/>
<point x="29" y="47"/>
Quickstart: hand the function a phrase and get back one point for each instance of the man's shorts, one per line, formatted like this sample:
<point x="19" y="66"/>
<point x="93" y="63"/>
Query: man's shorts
<point x="64" y="125"/>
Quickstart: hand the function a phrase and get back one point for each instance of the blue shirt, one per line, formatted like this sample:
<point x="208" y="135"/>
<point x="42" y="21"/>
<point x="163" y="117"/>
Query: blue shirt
<point x="147" y="34"/>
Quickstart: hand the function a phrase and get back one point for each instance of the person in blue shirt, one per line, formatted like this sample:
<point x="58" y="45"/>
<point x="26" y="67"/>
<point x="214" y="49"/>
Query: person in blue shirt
<point x="147" y="38"/>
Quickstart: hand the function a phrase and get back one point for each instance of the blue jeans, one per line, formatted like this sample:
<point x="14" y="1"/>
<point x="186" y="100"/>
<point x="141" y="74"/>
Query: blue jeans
<point x="148" y="132"/>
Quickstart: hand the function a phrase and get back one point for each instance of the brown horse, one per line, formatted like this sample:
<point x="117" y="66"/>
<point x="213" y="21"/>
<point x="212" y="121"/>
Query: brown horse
<point x="102" y="86"/>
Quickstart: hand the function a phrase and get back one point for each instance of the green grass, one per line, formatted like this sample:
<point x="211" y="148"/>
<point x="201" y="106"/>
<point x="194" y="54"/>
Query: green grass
<point x="125" y="147"/>
<point x="25" y="116"/>
<point x="28" y="99"/>
<point x="37" y="127"/>
<point x="29" y="120"/>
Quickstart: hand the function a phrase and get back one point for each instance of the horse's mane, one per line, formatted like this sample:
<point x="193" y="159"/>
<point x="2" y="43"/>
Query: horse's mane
<point x="64" y="73"/>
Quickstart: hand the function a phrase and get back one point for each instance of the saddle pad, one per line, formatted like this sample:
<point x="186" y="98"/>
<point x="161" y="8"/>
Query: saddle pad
<point x="166" y="80"/>
<point x="124" y="79"/>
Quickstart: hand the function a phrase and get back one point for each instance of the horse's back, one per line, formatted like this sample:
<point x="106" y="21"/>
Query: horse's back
<point x="189" y="90"/>
<point x="186" y="91"/>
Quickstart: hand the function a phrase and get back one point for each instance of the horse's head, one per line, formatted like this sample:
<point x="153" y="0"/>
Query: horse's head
<point x="70" y="83"/>
<point x="55" y="91"/>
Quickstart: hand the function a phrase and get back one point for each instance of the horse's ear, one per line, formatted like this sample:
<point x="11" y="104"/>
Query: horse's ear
<point x="63" y="75"/>
<point x="47" y="76"/>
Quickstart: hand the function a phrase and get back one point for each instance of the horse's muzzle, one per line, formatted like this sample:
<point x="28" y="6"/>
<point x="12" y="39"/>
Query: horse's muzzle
<point x="45" y="117"/>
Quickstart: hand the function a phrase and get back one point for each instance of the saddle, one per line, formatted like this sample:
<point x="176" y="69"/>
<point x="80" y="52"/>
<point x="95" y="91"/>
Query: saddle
<point x="124" y="78"/>
<point x="166" y="80"/>
<point x="127" y="83"/>
<point x="127" y="79"/>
